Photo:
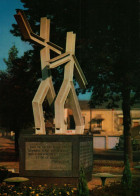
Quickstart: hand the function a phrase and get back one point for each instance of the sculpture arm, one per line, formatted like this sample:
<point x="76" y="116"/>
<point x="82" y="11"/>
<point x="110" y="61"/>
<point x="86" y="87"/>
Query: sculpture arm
<point x="80" y="77"/>
<point x="59" y="60"/>
<point x="28" y="34"/>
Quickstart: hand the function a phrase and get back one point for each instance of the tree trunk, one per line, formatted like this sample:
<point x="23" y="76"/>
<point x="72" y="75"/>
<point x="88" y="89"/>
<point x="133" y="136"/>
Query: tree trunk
<point x="127" y="126"/>
<point x="16" y="143"/>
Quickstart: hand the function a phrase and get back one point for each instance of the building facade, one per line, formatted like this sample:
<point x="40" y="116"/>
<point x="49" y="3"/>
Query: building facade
<point x="106" y="125"/>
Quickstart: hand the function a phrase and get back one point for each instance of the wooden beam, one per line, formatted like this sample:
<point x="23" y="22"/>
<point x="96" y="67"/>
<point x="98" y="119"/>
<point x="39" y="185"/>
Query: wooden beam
<point x="55" y="47"/>
<point x="23" y="28"/>
<point x="26" y="29"/>
<point x="45" y="28"/>
<point x="29" y="35"/>
<point x="80" y="77"/>
<point x="61" y="59"/>
<point x="70" y="42"/>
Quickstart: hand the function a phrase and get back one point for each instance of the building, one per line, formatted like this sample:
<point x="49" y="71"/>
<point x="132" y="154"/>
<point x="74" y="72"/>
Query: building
<point x="106" y="125"/>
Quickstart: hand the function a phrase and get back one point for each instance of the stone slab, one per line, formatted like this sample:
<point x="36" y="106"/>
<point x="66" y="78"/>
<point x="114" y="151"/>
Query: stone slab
<point x="55" y="156"/>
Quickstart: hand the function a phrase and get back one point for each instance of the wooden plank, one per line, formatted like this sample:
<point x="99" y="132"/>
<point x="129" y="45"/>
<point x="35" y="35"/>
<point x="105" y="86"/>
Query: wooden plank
<point x="70" y="42"/>
<point x="80" y="77"/>
<point x="55" y="47"/>
<point x="37" y="37"/>
<point x="59" y="57"/>
<point x="45" y="28"/>
<point x="28" y="34"/>
<point x="23" y="28"/>
<point x="21" y="13"/>
<point x="60" y="61"/>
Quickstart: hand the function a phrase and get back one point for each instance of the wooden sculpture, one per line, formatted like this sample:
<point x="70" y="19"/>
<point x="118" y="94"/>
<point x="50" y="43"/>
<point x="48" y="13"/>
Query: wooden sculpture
<point x="46" y="88"/>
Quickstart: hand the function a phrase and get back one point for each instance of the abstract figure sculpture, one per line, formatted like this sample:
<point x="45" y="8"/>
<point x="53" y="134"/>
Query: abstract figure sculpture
<point x="46" y="88"/>
<point x="67" y="88"/>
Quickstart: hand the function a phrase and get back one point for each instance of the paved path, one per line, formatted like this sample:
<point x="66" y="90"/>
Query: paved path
<point x="114" y="155"/>
<point x="7" y="154"/>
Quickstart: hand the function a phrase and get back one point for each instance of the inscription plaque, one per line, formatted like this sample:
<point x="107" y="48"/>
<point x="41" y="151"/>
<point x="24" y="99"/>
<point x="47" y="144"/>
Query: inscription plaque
<point x="86" y="154"/>
<point x="48" y="155"/>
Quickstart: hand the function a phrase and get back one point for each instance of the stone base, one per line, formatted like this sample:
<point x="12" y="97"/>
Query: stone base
<point x="55" y="158"/>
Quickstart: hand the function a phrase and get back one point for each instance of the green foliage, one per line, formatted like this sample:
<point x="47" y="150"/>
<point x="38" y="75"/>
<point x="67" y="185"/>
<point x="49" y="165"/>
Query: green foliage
<point x="12" y="55"/>
<point x="127" y="176"/>
<point x="82" y="186"/>
<point x="17" y="88"/>
<point x="18" y="85"/>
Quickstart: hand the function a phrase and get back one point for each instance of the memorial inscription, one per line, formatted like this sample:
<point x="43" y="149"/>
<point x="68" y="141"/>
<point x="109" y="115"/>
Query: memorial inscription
<point x="48" y="156"/>
<point x="86" y="157"/>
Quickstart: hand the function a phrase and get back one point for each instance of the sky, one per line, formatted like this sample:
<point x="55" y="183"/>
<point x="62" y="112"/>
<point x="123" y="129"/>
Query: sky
<point x="7" y="40"/>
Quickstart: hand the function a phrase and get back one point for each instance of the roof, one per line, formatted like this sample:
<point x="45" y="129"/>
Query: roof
<point x="84" y="105"/>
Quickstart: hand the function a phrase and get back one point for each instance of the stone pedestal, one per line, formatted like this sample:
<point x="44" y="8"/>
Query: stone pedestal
<point x="56" y="157"/>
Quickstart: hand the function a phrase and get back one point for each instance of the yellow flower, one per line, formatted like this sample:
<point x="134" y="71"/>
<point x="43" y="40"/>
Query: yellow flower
<point x="68" y="193"/>
<point x="53" y="190"/>
<point x="37" y="194"/>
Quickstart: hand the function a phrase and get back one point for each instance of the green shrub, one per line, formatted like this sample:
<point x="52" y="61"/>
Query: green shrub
<point x="127" y="176"/>
<point x="82" y="186"/>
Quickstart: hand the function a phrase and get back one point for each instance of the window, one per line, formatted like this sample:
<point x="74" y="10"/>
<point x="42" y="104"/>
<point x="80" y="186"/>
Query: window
<point x="97" y="124"/>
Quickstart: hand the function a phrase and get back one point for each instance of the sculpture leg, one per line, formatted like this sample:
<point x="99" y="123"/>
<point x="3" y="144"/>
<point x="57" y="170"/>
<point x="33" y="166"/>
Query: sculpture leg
<point x="67" y="88"/>
<point x="74" y="103"/>
<point x="45" y="89"/>
<point x="60" y="124"/>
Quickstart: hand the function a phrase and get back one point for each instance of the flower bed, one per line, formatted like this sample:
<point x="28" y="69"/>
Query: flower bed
<point x="40" y="190"/>
<point x="114" y="189"/>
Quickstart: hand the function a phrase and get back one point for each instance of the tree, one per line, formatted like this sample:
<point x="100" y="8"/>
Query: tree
<point x="17" y="88"/>
<point x="118" y="65"/>
<point x="107" y="47"/>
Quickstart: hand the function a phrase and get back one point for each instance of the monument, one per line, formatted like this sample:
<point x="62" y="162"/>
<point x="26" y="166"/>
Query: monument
<point x="60" y="155"/>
